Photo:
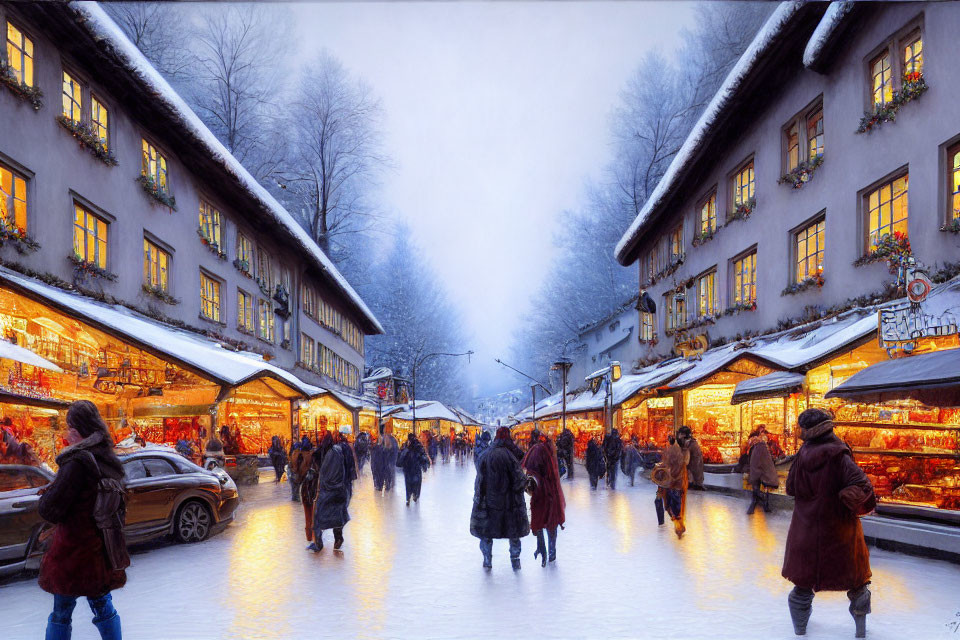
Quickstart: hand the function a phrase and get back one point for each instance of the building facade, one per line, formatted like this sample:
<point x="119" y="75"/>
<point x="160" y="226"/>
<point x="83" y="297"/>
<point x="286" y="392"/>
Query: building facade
<point x="109" y="184"/>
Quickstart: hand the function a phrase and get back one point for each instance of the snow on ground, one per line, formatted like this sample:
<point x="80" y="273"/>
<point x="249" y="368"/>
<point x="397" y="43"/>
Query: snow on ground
<point x="415" y="573"/>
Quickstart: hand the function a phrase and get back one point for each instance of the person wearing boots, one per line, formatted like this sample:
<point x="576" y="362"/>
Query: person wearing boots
<point x="594" y="463"/>
<point x="825" y="548"/>
<point x="546" y="498"/>
<point x="565" y="450"/>
<point x="414" y="461"/>
<point x="612" y="450"/>
<point x="76" y="563"/>
<point x="763" y="474"/>
<point x="333" y="492"/>
<point x="499" y="508"/>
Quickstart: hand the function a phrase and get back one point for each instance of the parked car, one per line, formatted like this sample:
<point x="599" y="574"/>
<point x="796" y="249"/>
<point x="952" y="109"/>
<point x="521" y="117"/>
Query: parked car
<point x="166" y="495"/>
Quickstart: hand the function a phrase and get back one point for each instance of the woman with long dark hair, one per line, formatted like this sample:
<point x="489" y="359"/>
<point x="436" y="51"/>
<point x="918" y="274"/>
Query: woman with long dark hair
<point x="76" y="563"/>
<point x="547" y="503"/>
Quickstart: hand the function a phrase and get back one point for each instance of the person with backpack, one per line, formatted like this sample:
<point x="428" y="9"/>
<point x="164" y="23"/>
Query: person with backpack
<point x="85" y="503"/>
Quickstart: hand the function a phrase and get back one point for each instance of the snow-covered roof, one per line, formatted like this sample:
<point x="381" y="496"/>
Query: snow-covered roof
<point x="935" y="372"/>
<point x="796" y="348"/>
<point x="763" y="42"/>
<point x="772" y="385"/>
<point x="380" y="373"/>
<point x="828" y="25"/>
<point x="106" y="32"/>
<point x="430" y="410"/>
<point x="183" y="347"/>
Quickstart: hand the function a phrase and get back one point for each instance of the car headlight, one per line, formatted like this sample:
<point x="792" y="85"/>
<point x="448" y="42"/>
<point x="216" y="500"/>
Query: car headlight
<point x="221" y="475"/>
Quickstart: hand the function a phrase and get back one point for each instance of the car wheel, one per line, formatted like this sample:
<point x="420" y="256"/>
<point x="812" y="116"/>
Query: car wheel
<point x="193" y="522"/>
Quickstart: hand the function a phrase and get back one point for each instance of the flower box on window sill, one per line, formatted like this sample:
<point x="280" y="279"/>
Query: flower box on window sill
<point x="18" y="237"/>
<point x="702" y="322"/>
<point x="33" y="95"/>
<point x="159" y="294"/>
<point x="704" y="237"/>
<point x="87" y="138"/>
<point x="952" y="227"/>
<point x="740" y="306"/>
<point x="742" y="211"/>
<point x="912" y="87"/>
<point x="815" y="280"/>
<point x="802" y="173"/>
<point x="152" y="189"/>
<point x="211" y="245"/>
<point x="893" y="248"/>
<point x="83" y="269"/>
<point x="243" y="266"/>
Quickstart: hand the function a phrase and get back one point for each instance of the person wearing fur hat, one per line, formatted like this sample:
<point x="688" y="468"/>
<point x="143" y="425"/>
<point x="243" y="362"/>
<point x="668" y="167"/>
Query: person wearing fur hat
<point x="76" y="563"/>
<point x="499" y="507"/>
<point x="414" y="461"/>
<point x="825" y="548"/>
<point x="762" y="474"/>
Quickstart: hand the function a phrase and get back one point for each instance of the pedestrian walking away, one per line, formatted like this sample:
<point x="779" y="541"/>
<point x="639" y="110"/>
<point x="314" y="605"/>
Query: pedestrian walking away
<point x="414" y="461"/>
<point x="547" y="504"/>
<point x="333" y="493"/>
<point x="631" y="460"/>
<point x="362" y="450"/>
<point x="565" y="450"/>
<point x="825" y="548"/>
<point x="499" y="507"/>
<point x="695" y="466"/>
<point x="82" y="560"/>
<point x="762" y="474"/>
<point x="596" y="467"/>
<point x="612" y="450"/>
<point x="388" y="464"/>
<point x="278" y="457"/>
<point x="670" y="475"/>
<point x="307" y="468"/>
<point x="483" y="443"/>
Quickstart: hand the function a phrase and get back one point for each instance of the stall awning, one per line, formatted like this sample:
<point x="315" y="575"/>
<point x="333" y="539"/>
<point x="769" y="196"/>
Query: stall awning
<point x="772" y="385"/>
<point x="429" y="410"/>
<point x="931" y="378"/>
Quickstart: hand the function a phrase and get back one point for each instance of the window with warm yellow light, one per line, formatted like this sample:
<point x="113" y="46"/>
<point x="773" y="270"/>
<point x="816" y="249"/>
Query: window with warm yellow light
<point x="13" y="198"/>
<point x="887" y="210"/>
<point x="20" y="55"/>
<point x="209" y="298"/>
<point x="810" y="250"/>
<point x="156" y="266"/>
<point x="89" y="237"/>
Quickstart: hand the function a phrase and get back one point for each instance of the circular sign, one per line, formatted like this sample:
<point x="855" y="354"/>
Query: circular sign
<point x="918" y="288"/>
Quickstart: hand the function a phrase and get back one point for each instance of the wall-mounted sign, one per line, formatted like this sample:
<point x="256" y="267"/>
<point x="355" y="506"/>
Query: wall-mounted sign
<point x="689" y="345"/>
<point x="902" y="325"/>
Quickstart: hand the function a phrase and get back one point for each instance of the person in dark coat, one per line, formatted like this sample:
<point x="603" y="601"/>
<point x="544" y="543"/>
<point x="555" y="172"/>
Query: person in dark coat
<point x="376" y="463"/>
<point x="350" y="465"/>
<point x="594" y="463"/>
<point x="499" y="508"/>
<point x="291" y="475"/>
<point x="612" y="450"/>
<point x="333" y="493"/>
<point x="630" y="461"/>
<point x="76" y="563"/>
<point x="414" y="461"/>
<point x="361" y="448"/>
<point x="547" y="503"/>
<point x="278" y="457"/>
<point x="433" y="447"/>
<point x="762" y="474"/>
<point x="565" y="450"/>
<point x="483" y="443"/>
<point x="825" y="548"/>
<point x="391" y="451"/>
<point x="670" y="475"/>
<point x="695" y="466"/>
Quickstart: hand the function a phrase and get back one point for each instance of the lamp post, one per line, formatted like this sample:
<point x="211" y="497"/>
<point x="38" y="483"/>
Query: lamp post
<point x="533" y="391"/>
<point x="563" y="364"/>
<point x="606" y="376"/>
<point x="416" y="365"/>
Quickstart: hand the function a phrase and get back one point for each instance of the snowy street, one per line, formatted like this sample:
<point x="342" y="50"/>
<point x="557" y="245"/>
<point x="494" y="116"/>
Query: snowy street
<point x="415" y="573"/>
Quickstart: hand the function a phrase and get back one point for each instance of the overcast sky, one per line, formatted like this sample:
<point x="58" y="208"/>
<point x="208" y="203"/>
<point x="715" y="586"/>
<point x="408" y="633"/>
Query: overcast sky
<point x="497" y="114"/>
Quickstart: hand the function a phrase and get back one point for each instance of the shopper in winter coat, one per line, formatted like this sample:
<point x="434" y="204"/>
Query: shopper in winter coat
<point x="376" y="464"/>
<point x="547" y="503"/>
<point x="388" y="465"/>
<point x="612" y="450"/>
<point x="499" y="508"/>
<point x="762" y="474"/>
<point x="414" y="461"/>
<point x="362" y="450"/>
<point x="670" y="475"/>
<point x="278" y="457"/>
<point x="76" y="562"/>
<point x="565" y="450"/>
<point x="595" y="464"/>
<point x="483" y="443"/>
<point x="433" y="447"/>
<point x="350" y="465"/>
<point x="695" y="466"/>
<point x="333" y="494"/>
<point x="630" y="461"/>
<point x="825" y="547"/>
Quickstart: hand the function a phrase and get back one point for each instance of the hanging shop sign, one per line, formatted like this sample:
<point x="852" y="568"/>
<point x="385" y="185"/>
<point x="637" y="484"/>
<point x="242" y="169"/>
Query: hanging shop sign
<point x="691" y="346"/>
<point x="902" y="325"/>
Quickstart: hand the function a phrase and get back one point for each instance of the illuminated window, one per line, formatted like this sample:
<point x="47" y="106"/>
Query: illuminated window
<point x="244" y="311"/>
<point x="156" y="266"/>
<point x="13" y="199"/>
<point x="98" y="118"/>
<point x="793" y="146"/>
<point x="245" y="253"/>
<point x="89" y="237"/>
<point x="815" y="134"/>
<point x="71" y="97"/>
<point x="953" y="157"/>
<point x="153" y="165"/>
<point x="266" y="328"/>
<point x="20" y="55"/>
<point x="308" y="350"/>
<point x="707" y="294"/>
<point x="708" y="214"/>
<point x="209" y="298"/>
<point x="210" y="225"/>
<point x="745" y="279"/>
<point x="309" y="301"/>
<point x="881" y="79"/>
<point x="913" y="56"/>
<point x="810" y="243"/>
<point x="265" y="270"/>
<point x="676" y="243"/>
<point x="886" y="210"/>
<point x="675" y="310"/>
<point x="743" y="185"/>
<point x="647" y="328"/>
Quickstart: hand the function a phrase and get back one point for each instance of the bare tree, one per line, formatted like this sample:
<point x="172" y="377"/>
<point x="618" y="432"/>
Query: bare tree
<point x="336" y="153"/>
<point x="160" y="31"/>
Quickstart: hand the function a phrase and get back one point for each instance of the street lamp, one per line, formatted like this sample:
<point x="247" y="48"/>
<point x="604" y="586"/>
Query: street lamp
<point x="606" y="376"/>
<point x="562" y="364"/>
<point x="416" y="365"/>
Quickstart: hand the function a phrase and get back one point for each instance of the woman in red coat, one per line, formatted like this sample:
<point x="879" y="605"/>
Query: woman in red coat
<point x="546" y="503"/>
<point x="76" y="563"/>
<point x="825" y="546"/>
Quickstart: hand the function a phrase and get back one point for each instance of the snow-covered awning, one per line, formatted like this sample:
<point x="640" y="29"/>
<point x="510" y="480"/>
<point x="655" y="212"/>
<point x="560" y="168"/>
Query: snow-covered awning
<point x="773" y="385"/>
<point x="932" y="378"/>
<point x="811" y="343"/>
<point x="380" y="373"/>
<point x="197" y="353"/>
<point x="429" y="410"/>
